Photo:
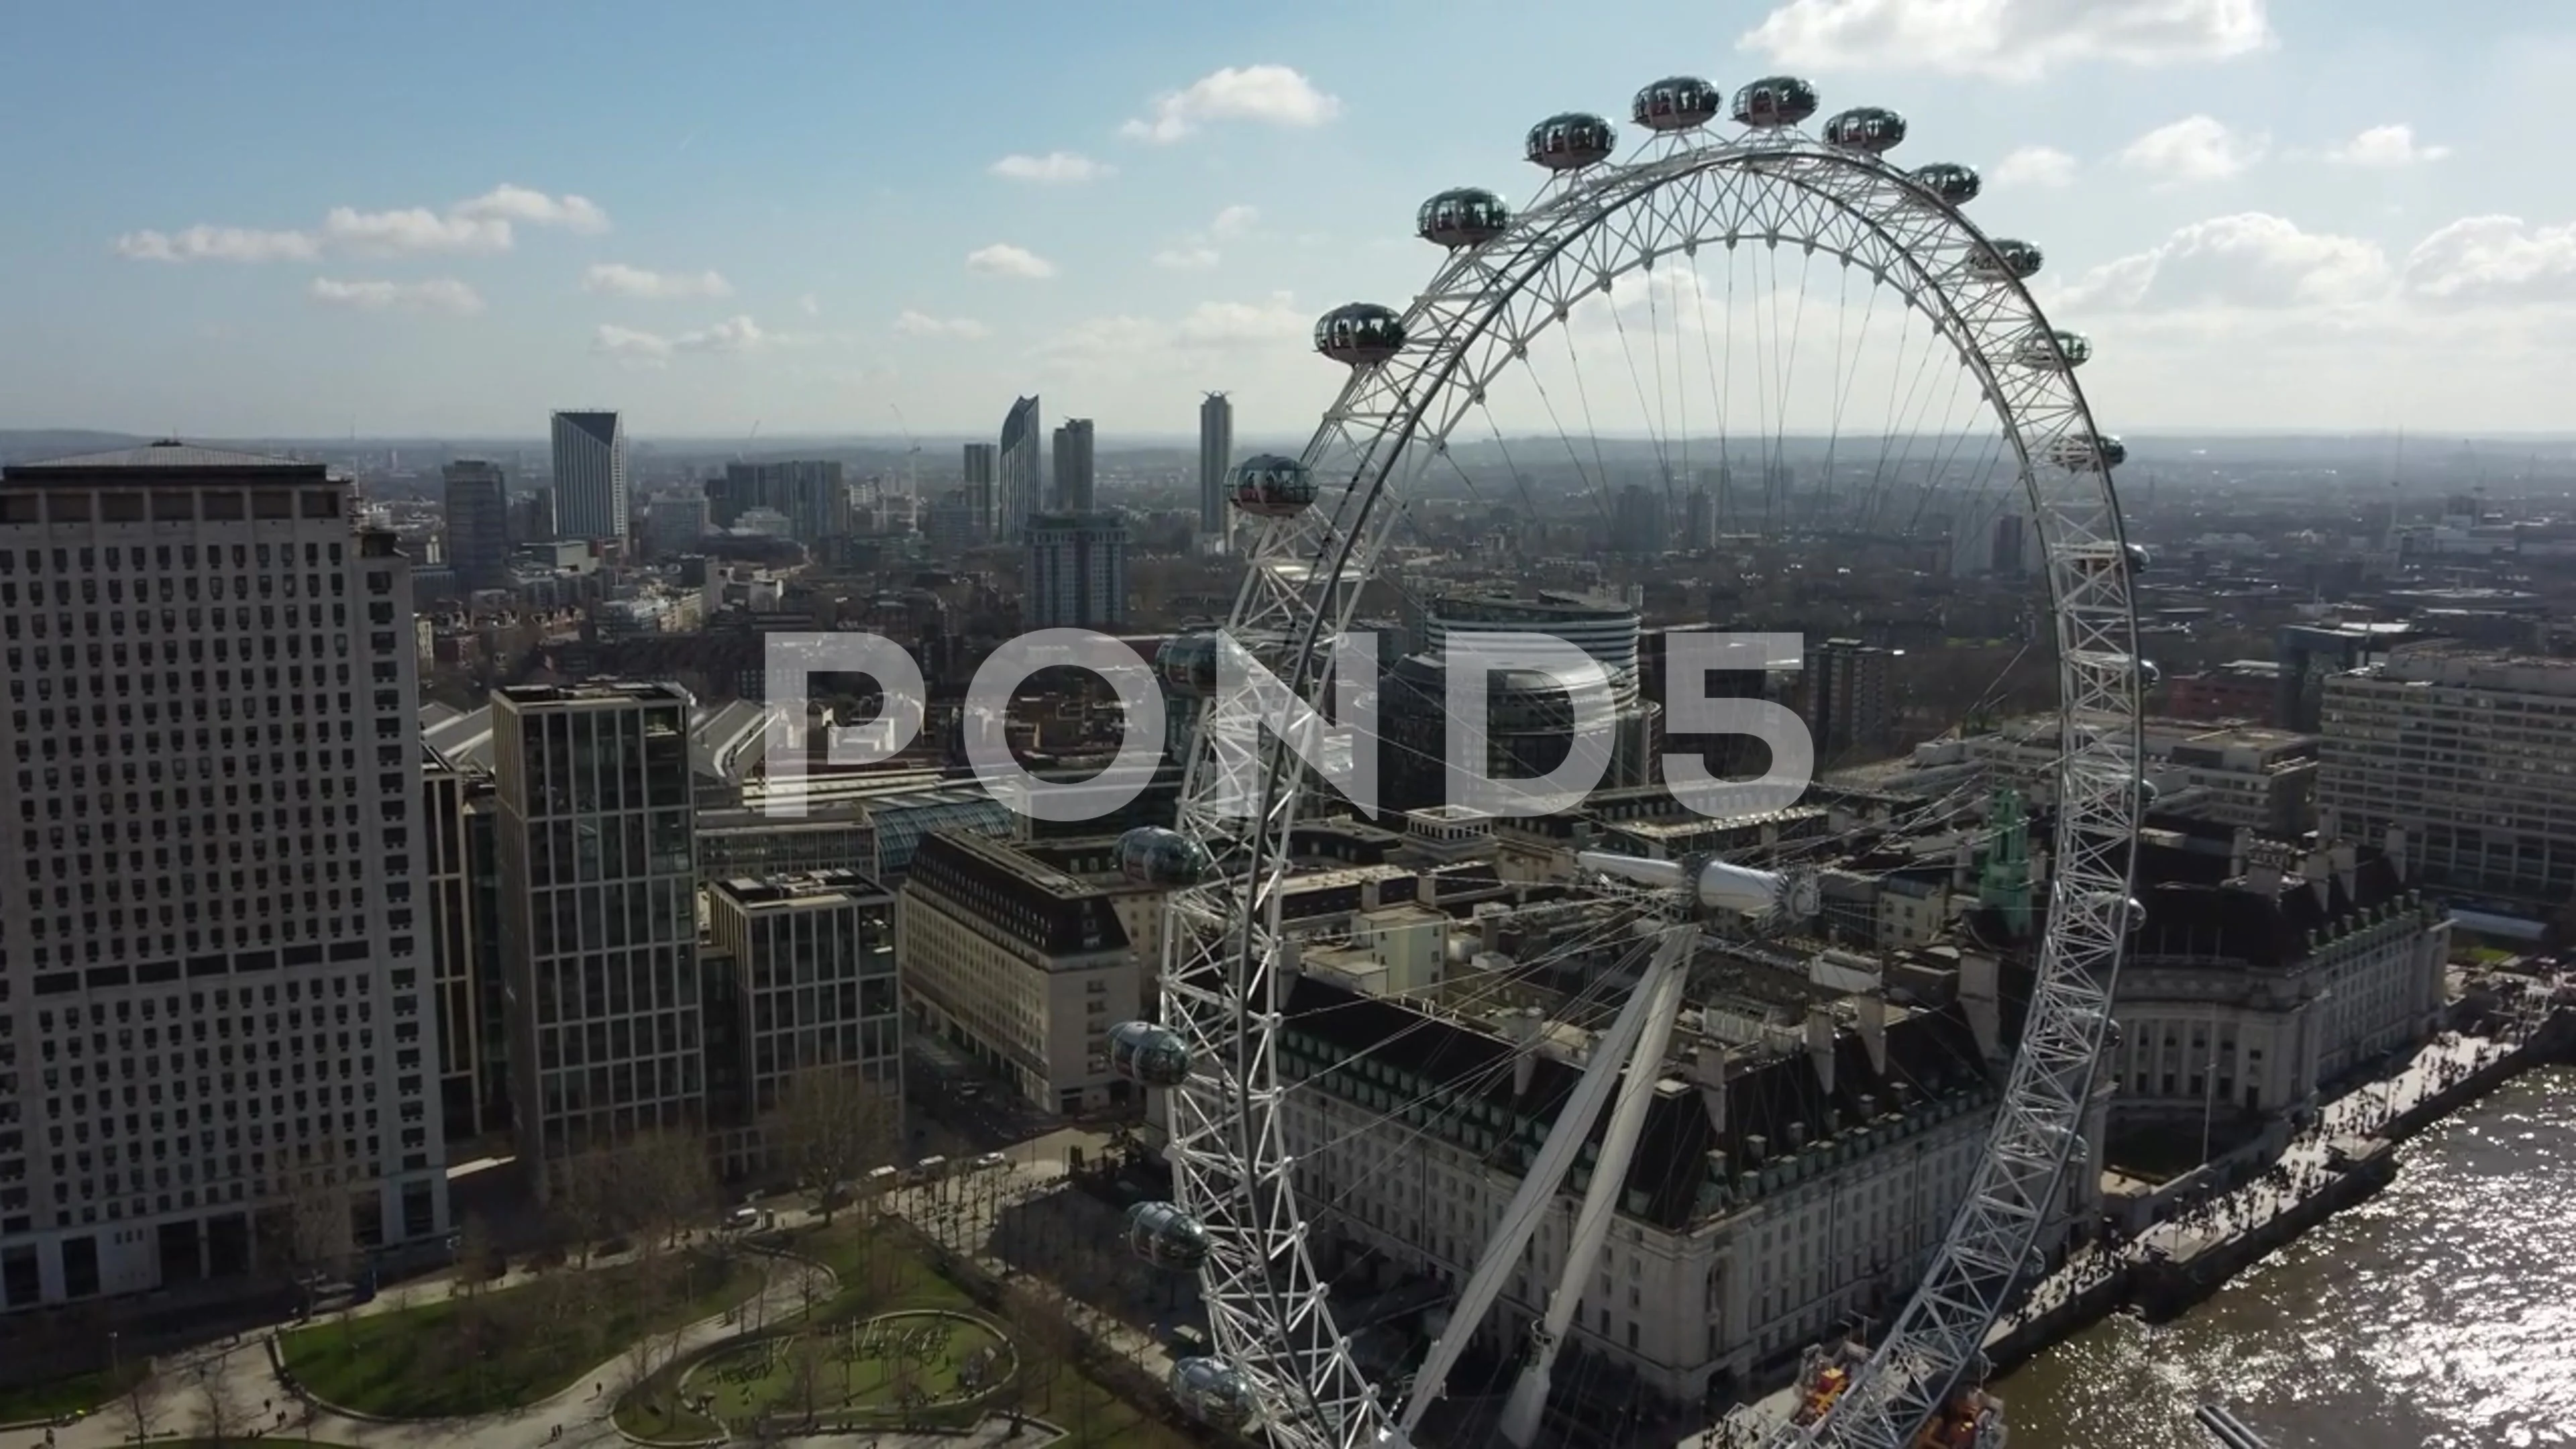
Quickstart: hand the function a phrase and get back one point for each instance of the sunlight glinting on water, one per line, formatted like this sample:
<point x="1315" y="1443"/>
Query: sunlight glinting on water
<point x="2439" y="1315"/>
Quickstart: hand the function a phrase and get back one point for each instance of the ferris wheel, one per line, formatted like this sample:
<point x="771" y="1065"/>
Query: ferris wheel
<point x="1741" y="297"/>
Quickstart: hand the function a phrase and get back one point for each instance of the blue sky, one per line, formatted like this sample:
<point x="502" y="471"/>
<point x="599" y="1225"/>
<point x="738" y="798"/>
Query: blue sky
<point x="766" y="212"/>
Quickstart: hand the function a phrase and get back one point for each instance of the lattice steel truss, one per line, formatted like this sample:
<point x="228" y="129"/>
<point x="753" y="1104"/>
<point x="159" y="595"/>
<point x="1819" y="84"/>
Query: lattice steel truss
<point x="1223" y="989"/>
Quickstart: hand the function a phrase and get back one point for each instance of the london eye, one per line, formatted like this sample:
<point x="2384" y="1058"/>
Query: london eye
<point x="1739" y="279"/>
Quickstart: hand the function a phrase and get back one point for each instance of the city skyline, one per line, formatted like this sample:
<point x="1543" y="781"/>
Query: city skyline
<point x="2342" y="249"/>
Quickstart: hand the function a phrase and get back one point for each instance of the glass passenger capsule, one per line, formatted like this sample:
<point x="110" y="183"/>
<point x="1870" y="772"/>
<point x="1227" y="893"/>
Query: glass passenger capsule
<point x="1953" y="183"/>
<point x="1676" y="103"/>
<point x="2058" y="351"/>
<point x="1213" y="1391"/>
<point x="1570" y="141"/>
<point x="1188" y="663"/>
<point x="1359" y="333"/>
<point x="2079" y="454"/>
<point x="1163" y="1235"/>
<point x="1463" y="216"/>
<point x="1775" y="101"/>
<point x="1267" y="485"/>
<point x="2003" y="258"/>
<point x="1151" y="855"/>
<point x="1873" y="129"/>
<point x="1153" y="1055"/>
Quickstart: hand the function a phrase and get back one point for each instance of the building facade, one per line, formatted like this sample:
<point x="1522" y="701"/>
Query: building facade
<point x="813" y="496"/>
<point x="2473" y="754"/>
<point x="215" y="994"/>
<point x="1021" y="469"/>
<point x="812" y="958"/>
<point x="478" y="523"/>
<point x="598" y="892"/>
<point x="982" y="466"/>
<point x="465" y="901"/>
<point x="590" y="475"/>
<point x="1077" y="571"/>
<point x="1216" y="455"/>
<point x="1073" y="480"/>
<point x="1021" y="964"/>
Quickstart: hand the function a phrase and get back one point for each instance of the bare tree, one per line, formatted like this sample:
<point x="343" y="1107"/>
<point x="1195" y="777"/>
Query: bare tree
<point x="586" y="1195"/>
<point x="215" y="1417"/>
<point x="830" y="1126"/>
<point x="141" y="1404"/>
<point x="668" y="1181"/>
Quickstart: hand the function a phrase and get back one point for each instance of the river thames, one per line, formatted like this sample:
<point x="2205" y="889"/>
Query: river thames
<point x="2441" y="1314"/>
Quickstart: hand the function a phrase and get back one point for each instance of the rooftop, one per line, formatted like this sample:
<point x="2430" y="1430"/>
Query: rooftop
<point x="170" y="457"/>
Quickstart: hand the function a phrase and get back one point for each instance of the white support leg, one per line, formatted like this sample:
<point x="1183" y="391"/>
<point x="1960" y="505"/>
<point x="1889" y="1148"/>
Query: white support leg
<point x="1610" y="1052"/>
<point x="1662" y="991"/>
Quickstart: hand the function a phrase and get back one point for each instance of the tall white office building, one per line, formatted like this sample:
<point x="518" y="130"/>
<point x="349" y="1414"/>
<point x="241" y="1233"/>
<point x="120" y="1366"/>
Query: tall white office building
<point x="1073" y="466"/>
<point x="1020" y="470"/>
<point x="1216" y="454"/>
<point x="215" y="952"/>
<point x="590" y="475"/>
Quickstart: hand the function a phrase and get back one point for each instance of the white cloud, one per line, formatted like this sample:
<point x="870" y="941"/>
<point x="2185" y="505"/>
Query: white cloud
<point x="438" y="294"/>
<point x="1234" y="221"/>
<point x="1209" y="331"/>
<point x="1275" y="94"/>
<point x="1001" y="259"/>
<point x="2251" y="260"/>
<point x="517" y="203"/>
<point x="1186" y="258"/>
<point x="2034" y="166"/>
<point x="2386" y="148"/>
<point x="734" y="334"/>
<point x="1055" y="168"/>
<point x="909" y="323"/>
<point x="652" y="349"/>
<point x="629" y="346"/>
<point x="810" y="305"/>
<point x="2014" y="39"/>
<point x="2195" y="148"/>
<point x="218" y="244"/>
<point x="2494" y="259"/>
<point x="619" y="280"/>
<point x="477" y="226"/>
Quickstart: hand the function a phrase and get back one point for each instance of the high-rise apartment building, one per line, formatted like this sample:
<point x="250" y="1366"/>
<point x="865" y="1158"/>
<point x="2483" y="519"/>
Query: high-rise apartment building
<point x="2472" y="753"/>
<point x="812" y="495"/>
<point x="598" y="915"/>
<point x="478" y="523"/>
<point x="590" y="475"/>
<point x="1073" y="466"/>
<point x="214" y="994"/>
<point x="1699" y="521"/>
<point x="982" y="462"/>
<point x="1637" y="522"/>
<point x="1020" y="469"/>
<point x="1077" y="571"/>
<point x="812" y="965"/>
<point x="1848" y="699"/>
<point x="1216" y="455"/>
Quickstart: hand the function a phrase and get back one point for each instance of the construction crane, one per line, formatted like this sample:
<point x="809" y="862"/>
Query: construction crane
<point x="911" y="458"/>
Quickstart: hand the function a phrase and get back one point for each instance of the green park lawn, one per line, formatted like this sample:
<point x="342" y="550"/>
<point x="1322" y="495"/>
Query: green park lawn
<point x="881" y="1271"/>
<point x="456" y="1357"/>
<point x="77" y="1394"/>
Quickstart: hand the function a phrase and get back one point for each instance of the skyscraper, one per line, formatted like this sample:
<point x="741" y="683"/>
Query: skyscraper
<point x="980" y="463"/>
<point x="1216" y="452"/>
<point x="226" y="850"/>
<point x="1073" y="466"/>
<point x="1020" y="468"/>
<point x="478" y="523"/>
<point x="598" y="915"/>
<point x="590" y="475"/>
<point x="1077" y="571"/>
<point x="813" y="495"/>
